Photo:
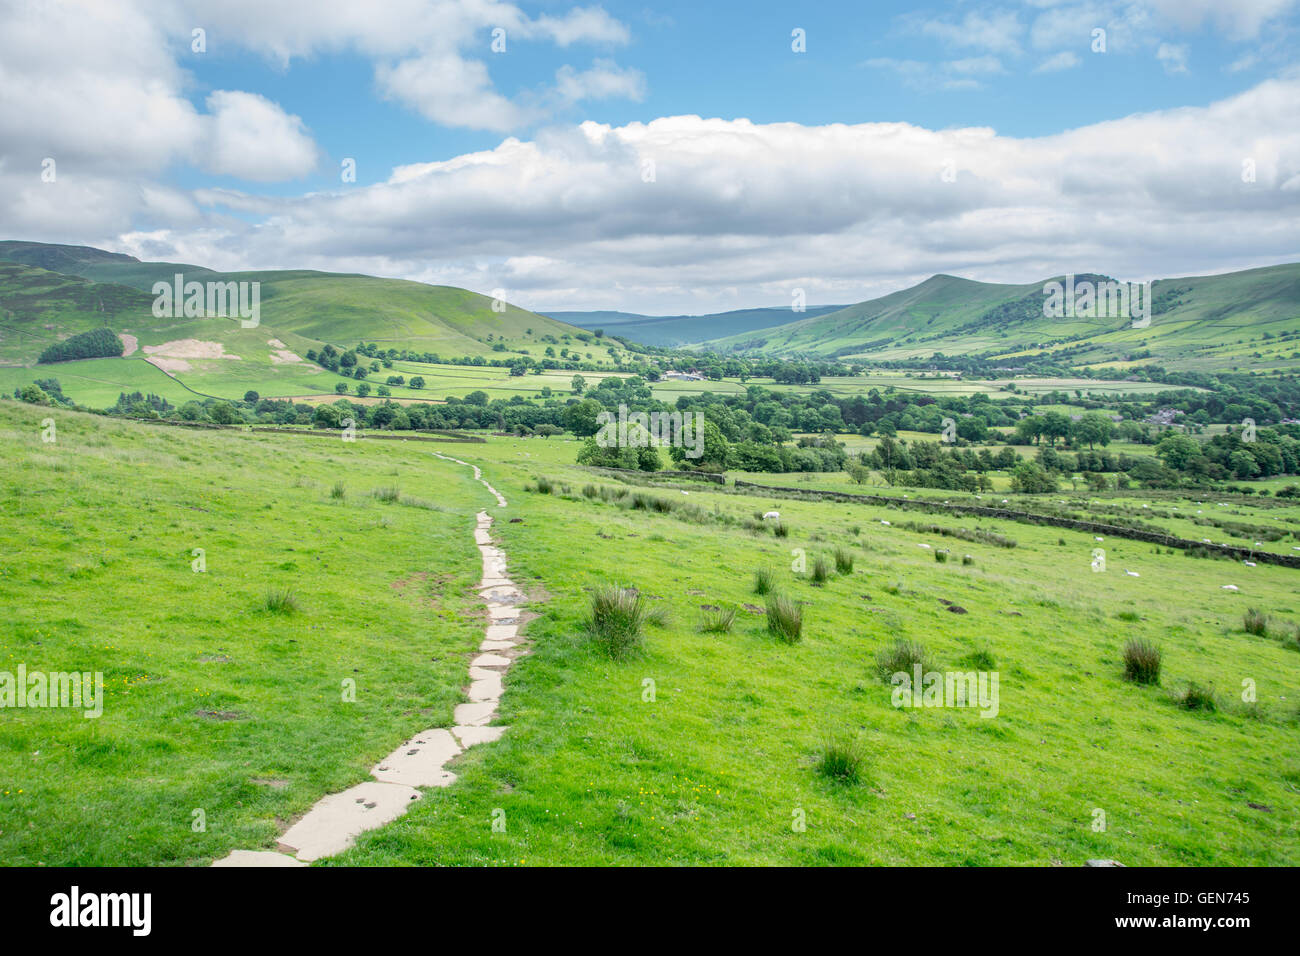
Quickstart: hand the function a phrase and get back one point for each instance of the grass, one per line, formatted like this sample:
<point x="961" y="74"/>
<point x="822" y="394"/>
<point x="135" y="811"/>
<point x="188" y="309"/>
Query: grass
<point x="591" y="771"/>
<point x="1141" y="661"/>
<point x="784" y="618"/>
<point x="281" y="601"/>
<point x="821" y="571"/>
<point x="841" y="760"/>
<point x="119" y="509"/>
<point x="618" y="620"/>
<point x="764" y="581"/>
<point x="719" y="621"/>
<point x="1255" y="622"/>
<point x="1196" y="697"/>
<point x="843" y="560"/>
<point x="901" y="656"/>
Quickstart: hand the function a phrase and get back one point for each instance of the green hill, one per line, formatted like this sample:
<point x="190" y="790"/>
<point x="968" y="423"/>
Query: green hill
<point x="299" y="311"/>
<point x="672" y="331"/>
<point x="1247" y="319"/>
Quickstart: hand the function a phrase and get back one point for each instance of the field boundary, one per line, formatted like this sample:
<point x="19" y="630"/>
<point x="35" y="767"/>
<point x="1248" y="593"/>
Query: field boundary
<point x="1030" y="517"/>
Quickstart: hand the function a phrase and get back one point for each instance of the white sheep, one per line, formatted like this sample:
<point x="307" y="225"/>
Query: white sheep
<point x="1230" y="587"/>
<point x="775" y="515"/>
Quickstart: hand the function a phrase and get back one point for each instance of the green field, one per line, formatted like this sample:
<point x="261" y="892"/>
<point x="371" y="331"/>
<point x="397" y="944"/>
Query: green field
<point x="218" y="704"/>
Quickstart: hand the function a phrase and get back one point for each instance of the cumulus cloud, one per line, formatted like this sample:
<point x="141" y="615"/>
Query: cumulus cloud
<point x="250" y="137"/>
<point x="738" y="213"/>
<point x="1065" y="60"/>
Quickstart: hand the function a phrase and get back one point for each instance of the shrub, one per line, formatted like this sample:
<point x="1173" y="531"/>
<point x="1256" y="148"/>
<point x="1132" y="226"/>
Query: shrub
<point x="841" y="760"/>
<point x="545" y="486"/>
<point x="1141" y="661"/>
<point x="1255" y="622"/>
<point x="784" y="618"/>
<point x="1196" y="697"/>
<point x="941" y="556"/>
<point x="617" y="622"/>
<point x="764" y="580"/>
<point x="719" y="622"/>
<point x="902" y="655"/>
<point x="821" y="571"/>
<point x="339" y="490"/>
<point x="843" y="561"/>
<point x="967" y="560"/>
<point x="281" y="601"/>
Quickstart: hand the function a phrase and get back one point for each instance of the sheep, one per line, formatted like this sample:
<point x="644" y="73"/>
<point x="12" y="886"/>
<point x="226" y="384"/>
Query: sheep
<point x="774" y="515"/>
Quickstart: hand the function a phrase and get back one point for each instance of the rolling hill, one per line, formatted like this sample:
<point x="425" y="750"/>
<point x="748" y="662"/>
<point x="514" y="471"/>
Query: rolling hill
<point x="1242" y="320"/>
<point x="672" y="331"/>
<point x="49" y="292"/>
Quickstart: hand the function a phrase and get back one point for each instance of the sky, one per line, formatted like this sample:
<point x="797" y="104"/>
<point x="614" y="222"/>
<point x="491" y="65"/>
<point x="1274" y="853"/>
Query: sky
<point x="666" y="158"/>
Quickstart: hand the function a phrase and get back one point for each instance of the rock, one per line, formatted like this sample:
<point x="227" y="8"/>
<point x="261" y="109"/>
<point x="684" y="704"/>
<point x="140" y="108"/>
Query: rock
<point x="1103" y="863"/>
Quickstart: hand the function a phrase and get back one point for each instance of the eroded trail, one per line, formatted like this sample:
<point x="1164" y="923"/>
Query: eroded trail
<point x="335" y="821"/>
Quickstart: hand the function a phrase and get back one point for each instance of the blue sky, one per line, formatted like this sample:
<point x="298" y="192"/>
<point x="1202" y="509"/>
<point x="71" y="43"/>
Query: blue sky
<point x="734" y="59"/>
<point x="680" y="158"/>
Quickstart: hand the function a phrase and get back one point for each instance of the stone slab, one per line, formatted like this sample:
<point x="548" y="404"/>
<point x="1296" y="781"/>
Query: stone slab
<point x="333" y="824"/>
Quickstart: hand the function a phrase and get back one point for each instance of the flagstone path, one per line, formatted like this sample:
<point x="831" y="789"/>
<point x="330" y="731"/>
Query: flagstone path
<point x="331" y="826"/>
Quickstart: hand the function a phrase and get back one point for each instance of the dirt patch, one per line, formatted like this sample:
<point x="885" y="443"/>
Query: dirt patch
<point x="189" y="349"/>
<point x="131" y="343"/>
<point x="282" y="355"/>
<point x="220" y="715"/>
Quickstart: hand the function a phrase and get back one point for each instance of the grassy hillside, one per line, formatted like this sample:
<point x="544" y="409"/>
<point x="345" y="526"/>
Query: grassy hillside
<point x="676" y="330"/>
<point x="714" y="766"/>
<point x="300" y="311"/>
<point x="1244" y="320"/>
<point x="213" y="701"/>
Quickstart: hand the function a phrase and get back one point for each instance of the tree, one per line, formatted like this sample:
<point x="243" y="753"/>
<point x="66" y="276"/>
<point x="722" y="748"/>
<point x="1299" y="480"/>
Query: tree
<point x="417" y="382"/>
<point x="363" y="389"/>
<point x="251" y="397"/>
<point x="341" y="388"/>
<point x="223" y="413"/>
<point x="1093" y="429"/>
<point x="579" y="384"/>
<point x="1030" y="478"/>
<point x="580" y="417"/>
<point x="477" y="398"/>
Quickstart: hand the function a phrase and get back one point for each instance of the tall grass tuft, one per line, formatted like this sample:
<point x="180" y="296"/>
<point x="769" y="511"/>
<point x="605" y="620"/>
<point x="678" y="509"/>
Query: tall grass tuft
<point x="1196" y="697"/>
<point x="903" y="655"/>
<point x="339" y="490"/>
<point x="843" y="561"/>
<point x="941" y="555"/>
<point x="841" y="760"/>
<point x="589" y="491"/>
<point x="545" y="486"/>
<point x="281" y="601"/>
<point x="719" y="622"/>
<point x="388" y="493"/>
<point x="764" y="580"/>
<point x="782" y="530"/>
<point x="784" y="618"/>
<point x="617" y="622"/>
<point x="1141" y="661"/>
<point x="821" y="571"/>
<point x="1255" y="622"/>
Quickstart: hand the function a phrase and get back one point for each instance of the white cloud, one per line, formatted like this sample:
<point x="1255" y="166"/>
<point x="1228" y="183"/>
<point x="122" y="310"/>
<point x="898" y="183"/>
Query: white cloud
<point x="998" y="31"/>
<point x="604" y="80"/>
<point x="1065" y="60"/>
<point x="252" y="138"/>
<point x="1172" y="57"/>
<point x="741" y="212"/>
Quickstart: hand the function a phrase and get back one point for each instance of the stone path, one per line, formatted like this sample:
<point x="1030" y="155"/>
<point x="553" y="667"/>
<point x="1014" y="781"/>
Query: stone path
<point x="333" y="824"/>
